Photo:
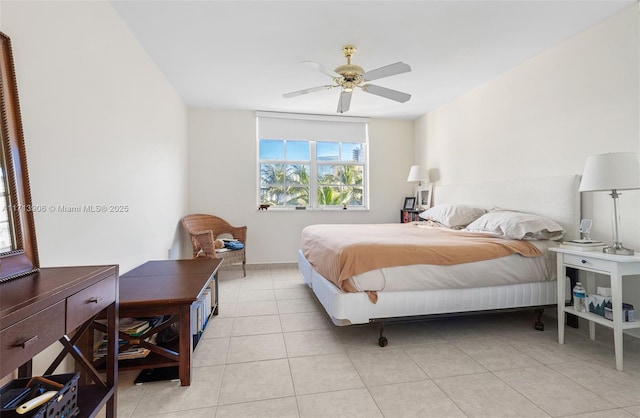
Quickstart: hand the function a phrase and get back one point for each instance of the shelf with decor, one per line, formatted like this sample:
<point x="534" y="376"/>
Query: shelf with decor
<point x="409" y="215"/>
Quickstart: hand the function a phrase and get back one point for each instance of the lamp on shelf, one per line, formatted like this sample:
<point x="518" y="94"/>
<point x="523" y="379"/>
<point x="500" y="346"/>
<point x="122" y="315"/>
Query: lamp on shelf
<point x="612" y="172"/>
<point x="418" y="174"/>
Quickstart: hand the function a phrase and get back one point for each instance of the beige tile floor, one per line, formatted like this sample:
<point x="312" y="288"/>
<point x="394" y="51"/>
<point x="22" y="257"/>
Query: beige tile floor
<point x="272" y="352"/>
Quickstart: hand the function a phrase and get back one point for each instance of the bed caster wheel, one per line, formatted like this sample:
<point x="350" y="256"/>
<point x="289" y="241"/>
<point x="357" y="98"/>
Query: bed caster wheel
<point x="539" y="326"/>
<point x="382" y="341"/>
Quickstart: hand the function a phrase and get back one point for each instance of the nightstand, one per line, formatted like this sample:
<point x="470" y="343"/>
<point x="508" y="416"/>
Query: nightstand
<point x="592" y="262"/>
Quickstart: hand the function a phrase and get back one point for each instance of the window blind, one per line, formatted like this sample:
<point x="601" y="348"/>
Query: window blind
<point x="272" y="125"/>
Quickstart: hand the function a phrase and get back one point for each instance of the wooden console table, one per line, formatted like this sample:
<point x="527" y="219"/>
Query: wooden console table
<point x="44" y="307"/>
<point x="167" y="287"/>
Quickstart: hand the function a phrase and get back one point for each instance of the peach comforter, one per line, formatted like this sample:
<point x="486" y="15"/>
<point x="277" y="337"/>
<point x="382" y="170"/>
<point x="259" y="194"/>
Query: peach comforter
<point x="339" y="252"/>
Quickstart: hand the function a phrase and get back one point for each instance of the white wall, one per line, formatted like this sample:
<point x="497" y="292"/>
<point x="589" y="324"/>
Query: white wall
<point x="545" y="117"/>
<point x="223" y="181"/>
<point x="102" y="126"/>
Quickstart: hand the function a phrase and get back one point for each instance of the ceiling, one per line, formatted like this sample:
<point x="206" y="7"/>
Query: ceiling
<point x="246" y="54"/>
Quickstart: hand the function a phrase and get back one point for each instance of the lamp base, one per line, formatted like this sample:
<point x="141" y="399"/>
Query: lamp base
<point x="618" y="249"/>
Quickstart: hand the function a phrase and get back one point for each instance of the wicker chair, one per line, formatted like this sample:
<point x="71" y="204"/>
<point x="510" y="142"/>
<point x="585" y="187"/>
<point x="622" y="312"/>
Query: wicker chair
<point x="205" y="229"/>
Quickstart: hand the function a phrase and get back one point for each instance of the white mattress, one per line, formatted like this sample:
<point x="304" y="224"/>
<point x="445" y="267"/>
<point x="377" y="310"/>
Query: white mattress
<point x="497" y="272"/>
<point x="356" y="308"/>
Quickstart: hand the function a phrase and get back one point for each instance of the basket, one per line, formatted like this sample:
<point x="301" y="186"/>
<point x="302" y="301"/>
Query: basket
<point x="63" y="405"/>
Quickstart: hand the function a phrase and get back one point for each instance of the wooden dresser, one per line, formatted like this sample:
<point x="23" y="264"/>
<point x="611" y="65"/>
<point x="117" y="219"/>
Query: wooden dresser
<point x="59" y="304"/>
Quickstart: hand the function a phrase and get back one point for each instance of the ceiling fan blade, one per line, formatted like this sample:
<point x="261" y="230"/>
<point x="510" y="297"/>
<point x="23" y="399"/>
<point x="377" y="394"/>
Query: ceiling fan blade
<point x="305" y="91"/>
<point x="396" y="95"/>
<point x="386" y="71"/>
<point x="322" y="68"/>
<point x="344" y="102"/>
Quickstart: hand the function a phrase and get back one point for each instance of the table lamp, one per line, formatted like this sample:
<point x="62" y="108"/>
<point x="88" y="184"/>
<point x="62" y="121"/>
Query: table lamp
<point x="418" y="174"/>
<point x="612" y="172"/>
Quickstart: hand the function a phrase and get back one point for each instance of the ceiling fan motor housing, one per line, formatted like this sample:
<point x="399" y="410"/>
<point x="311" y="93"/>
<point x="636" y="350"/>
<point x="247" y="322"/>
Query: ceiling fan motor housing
<point x="351" y="76"/>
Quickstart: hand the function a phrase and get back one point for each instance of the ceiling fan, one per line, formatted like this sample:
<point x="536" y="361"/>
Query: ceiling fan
<point x="350" y="76"/>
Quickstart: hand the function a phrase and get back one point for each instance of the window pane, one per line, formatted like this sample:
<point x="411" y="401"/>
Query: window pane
<point x="348" y="174"/>
<point x="271" y="149"/>
<point x="329" y="196"/>
<point x="325" y="174"/>
<point x="328" y="151"/>
<point x="272" y="174"/>
<point x="340" y="195"/>
<point x="340" y="174"/>
<point x="297" y="150"/>
<point x="297" y="196"/>
<point x="273" y="195"/>
<point x="352" y="152"/>
<point x="354" y="196"/>
<point x="298" y="173"/>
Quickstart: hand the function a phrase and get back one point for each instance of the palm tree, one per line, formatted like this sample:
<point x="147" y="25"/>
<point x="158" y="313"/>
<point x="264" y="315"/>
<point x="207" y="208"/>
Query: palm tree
<point x="273" y="179"/>
<point x="337" y="188"/>
<point x="351" y="175"/>
<point x="329" y="196"/>
<point x="298" y="185"/>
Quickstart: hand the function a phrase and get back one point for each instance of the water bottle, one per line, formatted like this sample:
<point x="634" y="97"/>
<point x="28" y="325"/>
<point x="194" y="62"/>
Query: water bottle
<point x="579" y="298"/>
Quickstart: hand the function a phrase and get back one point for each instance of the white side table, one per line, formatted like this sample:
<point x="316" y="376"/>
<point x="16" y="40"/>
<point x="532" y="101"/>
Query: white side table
<point x="594" y="262"/>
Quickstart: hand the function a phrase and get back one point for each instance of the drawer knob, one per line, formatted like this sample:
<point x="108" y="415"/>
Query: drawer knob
<point x="30" y="341"/>
<point x="95" y="299"/>
<point x="583" y="261"/>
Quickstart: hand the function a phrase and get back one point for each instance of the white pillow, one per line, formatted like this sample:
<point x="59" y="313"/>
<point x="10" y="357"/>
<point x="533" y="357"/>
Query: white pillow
<point x="453" y="216"/>
<point x="517" y="225"/>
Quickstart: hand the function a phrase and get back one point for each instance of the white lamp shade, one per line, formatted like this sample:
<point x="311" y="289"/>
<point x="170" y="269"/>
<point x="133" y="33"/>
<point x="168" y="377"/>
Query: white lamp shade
<point x="418" y="173"/>
<point x="613" y="171"/>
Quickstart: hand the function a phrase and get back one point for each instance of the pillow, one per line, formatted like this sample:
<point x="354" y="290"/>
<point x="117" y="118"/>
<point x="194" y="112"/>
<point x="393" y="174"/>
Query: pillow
<point x="453" y="216"/>
<point x="517" y="225"/>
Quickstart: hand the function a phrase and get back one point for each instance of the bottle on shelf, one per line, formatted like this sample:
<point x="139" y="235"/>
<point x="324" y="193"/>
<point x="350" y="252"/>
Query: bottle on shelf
<point x="579" y="298"/>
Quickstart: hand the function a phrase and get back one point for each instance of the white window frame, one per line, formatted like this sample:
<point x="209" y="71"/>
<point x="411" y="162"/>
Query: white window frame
<point x="356" y="131"/>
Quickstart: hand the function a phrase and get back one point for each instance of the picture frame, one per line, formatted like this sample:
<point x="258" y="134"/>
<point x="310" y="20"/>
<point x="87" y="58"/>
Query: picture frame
<point x="409" y="203"/>
<point x="426" y="196"/>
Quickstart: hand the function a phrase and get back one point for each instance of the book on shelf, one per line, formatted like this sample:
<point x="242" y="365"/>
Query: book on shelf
<point x="584" y="243"/>
<point x="138" y="331"/>
<point x="130" y="325"/>
<point x="131" y="353"/>
<point x="133" y="325"/>
<point x="568" y="245"/>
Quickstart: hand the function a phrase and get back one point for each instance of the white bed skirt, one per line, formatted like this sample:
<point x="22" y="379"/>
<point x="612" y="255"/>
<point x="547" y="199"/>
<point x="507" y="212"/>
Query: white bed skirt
<point x="356" y="308"/>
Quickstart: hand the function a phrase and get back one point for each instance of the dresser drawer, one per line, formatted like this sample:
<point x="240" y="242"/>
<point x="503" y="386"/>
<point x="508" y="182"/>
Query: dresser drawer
<point x="26" y="338"/>
<point x="90" y="301"/>
<point x="588" y="263"/>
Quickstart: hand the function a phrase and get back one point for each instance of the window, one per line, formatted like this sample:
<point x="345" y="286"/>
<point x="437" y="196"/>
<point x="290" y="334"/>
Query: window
<point x="312" y="161"/>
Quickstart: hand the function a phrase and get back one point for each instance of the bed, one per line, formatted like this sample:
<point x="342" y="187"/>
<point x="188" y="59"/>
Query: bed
<point x="418" y="290"/>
